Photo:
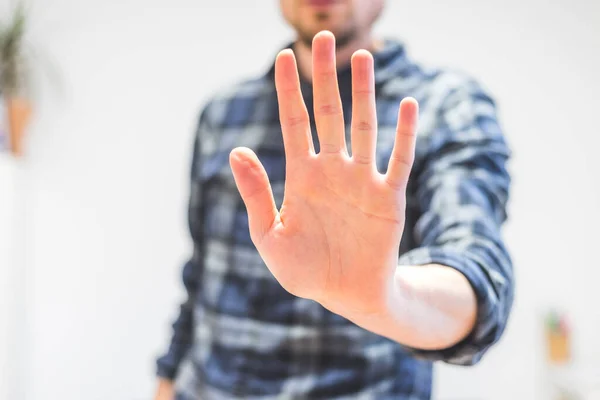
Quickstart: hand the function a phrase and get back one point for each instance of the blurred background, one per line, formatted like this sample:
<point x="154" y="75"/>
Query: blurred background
<point x="92" y="217"/>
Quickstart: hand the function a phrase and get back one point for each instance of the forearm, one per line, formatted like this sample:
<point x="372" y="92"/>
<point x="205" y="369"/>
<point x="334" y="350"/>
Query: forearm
<point x="430" y="307"/>
<point x="183" y="326"/>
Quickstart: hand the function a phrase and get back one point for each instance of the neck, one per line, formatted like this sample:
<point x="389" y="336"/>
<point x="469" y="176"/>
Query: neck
<point x="343" y="54"/>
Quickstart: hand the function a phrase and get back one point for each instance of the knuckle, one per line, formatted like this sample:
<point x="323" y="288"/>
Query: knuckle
<point x="294" y="121"/>
<point x="364" y="126"/>
<point x="361" y="159"/>
<point x="330" y="148"/>
<point x="329" y="109"/>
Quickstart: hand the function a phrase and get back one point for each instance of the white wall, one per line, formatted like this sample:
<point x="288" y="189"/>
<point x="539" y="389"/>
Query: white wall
<point x="8" y="306"/>
<point x="106" y="174"/>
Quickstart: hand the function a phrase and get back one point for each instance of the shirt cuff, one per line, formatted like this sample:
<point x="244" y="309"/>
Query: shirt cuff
<point x="166" y="367"/>
<point x="489" y="322"/>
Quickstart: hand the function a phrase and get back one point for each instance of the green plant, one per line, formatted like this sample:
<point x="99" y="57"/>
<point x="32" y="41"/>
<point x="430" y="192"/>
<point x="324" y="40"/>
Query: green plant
<point x="13" y="68"/>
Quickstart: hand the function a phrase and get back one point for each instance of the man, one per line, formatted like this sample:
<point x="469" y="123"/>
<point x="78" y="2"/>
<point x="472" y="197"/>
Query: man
<point x="337" y="255"/>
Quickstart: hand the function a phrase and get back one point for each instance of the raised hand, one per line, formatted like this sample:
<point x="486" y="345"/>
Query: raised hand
<point x="337" y="235"/>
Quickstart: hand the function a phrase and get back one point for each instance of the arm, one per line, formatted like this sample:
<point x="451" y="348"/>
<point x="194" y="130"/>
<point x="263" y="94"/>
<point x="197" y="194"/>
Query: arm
<point x="454" y="292"/>
<point x="336" y="237"/>
<point x="431" y="307"/>
<point x="182" y="336"/>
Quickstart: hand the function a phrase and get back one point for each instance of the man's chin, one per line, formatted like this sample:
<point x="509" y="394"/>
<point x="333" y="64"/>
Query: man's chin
<point x="341" y="37"/>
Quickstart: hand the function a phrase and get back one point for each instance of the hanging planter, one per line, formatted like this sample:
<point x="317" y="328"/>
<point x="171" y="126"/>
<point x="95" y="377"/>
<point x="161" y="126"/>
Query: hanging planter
<point x="13" y="80"/>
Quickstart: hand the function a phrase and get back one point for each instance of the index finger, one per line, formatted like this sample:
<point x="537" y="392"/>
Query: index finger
<point x="293" y="116"/>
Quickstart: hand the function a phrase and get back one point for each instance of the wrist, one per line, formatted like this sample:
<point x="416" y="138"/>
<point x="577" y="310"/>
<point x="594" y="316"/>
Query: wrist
<point x="374" y="300"/>
<point x="376" y="313"/>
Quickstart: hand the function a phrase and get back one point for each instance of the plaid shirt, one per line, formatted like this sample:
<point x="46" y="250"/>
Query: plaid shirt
<point x="241" y="335"/>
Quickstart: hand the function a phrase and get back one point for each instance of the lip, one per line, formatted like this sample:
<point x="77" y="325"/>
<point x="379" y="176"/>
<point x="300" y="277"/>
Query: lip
<point x="321" y="3"/>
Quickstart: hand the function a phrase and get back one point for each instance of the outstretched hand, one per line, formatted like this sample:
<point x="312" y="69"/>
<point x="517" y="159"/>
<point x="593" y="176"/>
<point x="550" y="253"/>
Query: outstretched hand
<point x="336" y="237"/>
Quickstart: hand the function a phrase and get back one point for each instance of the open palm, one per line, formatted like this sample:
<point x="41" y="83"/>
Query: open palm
<point x="336" y="237"/>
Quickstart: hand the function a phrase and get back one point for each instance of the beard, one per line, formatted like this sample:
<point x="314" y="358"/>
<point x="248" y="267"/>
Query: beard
<point x="341" y="38"/>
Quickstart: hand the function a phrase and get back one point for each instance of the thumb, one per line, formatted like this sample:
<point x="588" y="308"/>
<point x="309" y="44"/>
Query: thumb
<point x="253" y="183"/>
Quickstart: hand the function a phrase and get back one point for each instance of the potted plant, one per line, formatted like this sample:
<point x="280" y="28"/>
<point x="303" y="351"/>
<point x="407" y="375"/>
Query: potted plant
<point x="13" y="78"/>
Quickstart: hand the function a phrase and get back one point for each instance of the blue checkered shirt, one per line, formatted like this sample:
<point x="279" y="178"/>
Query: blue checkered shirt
<point x="239" y="334"/>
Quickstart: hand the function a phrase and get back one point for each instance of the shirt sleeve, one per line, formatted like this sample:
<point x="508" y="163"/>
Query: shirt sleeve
<point x="183" y="325"/>
<point x="462" y="188"/>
